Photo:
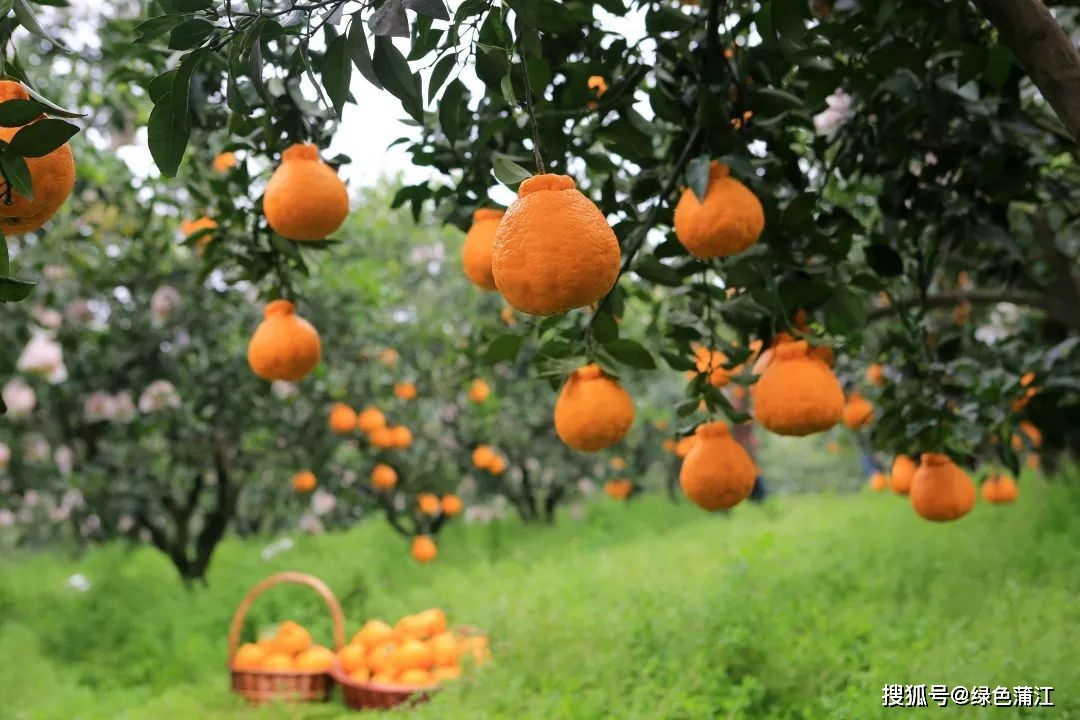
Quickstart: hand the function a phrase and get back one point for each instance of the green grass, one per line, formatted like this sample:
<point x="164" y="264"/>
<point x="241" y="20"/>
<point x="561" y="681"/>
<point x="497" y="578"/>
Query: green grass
<point x="803" y="608"/>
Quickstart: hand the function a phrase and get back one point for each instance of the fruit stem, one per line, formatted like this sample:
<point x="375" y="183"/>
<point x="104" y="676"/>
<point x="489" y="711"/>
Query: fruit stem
<point x="529" y="106"/>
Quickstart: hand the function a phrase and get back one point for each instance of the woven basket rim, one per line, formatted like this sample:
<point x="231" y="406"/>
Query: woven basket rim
<point x="342" y="678"/>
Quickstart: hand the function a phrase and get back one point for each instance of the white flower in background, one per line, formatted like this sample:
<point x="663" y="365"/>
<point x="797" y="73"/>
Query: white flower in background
<point x="468" y="486"/>
<point x="310" y="524"/>
<point x="35" y="448"/>
<point x="47" y="317"/>
<point x="835" y="116"/>
<point x="64" y="457"/>
<point x="477" y="514"/>
<point x="7" y="518"/>
<point x="98" y="406"/>
<point x="31" y="498"/>
<point x="43" y="357"/>
<point x="276" y="547"/>
<point x="586" y="487"/>
<point x="322" y="502"/>
<point x="349" y="478"/>
<point x="19" y="398"/>
<point x="79" y="312"/>
<point x="159" y="395"/>
<point x="5" y="456"/>
<point x="56" y="272"/>
<point x="123" y="407"/>
<point x="163" y="303"/>
<point x="125" y="523"/>
<point x="78" y="582"/>
<point x="72" y="499"/>
<point x="90" y="526"/>
<point x="283" y="389"/>
<point x="59" y="514"/>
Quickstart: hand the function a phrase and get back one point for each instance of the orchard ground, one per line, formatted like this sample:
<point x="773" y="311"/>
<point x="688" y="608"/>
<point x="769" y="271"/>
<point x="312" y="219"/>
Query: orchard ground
<point x="803" y="607"/>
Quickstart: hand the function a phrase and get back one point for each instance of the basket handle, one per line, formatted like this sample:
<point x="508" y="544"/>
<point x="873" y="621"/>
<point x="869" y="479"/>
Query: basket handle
<point x="287" y="577"/>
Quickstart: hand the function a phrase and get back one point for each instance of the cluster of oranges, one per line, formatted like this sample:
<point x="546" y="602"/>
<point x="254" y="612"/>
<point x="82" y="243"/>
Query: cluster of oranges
<point x="418" y="651"/>
<point x="487" y="458"/>
<point x="289" y="649"/>
<point x="619" y="489"/>
<point x="372" y="422"/>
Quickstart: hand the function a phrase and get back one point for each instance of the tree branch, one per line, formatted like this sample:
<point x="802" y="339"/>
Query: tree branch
<point x="1040" y="44"/>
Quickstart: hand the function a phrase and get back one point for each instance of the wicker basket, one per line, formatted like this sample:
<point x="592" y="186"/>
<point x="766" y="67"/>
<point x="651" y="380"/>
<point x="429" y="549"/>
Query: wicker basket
<point x="261" y="686"/>
<point x="383" y="696"/>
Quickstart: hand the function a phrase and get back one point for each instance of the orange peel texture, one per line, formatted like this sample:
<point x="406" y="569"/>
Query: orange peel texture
<point x="941" y="491"/>
<point x="1000" y="489"/>
<point x="305" y="200"/>
<point x="52" y="177"/>
<point x="901" y="474"/>
<point x="797" y="394"/>
<point x="717" y="473"/>
<point x="593" y="411"/>
<point x="858" y="412"/>
<point x="729" y="221"/>
<point x="476" y="252"/>
<point x="554" y="250"/>
<point x="285" y="346"/>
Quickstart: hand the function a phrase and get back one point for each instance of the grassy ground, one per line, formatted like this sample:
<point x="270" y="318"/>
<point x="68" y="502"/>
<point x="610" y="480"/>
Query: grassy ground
<point x="803" y="608"/>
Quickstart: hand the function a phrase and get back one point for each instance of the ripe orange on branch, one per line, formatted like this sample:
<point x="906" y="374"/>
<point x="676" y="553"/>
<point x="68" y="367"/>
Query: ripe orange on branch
<point x="940" y="490"/>
<point x="342" y="419"/>
<point x="304" y="481"/>
<point x="476" y="252"/>
<point x="798" y="394"/>
<point x="554" y="250"/>
<point x="52" y="177"/>
<point x="285" y="346"/>
<point x="729" y="221"/>
<point x="717" y="472"/>
<point x="305" y="200"/>
<point x="901" y="474"/>
<point x="593" y="411"/>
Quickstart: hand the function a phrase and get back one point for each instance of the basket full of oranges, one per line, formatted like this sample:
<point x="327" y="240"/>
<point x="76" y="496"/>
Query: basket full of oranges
<point x="287" y="666"/>
<point x="384" y="666"/>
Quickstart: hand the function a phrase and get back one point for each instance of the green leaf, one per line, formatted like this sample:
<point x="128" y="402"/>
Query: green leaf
<point x="687" y="407"/>
<point x="770" y="101"/>
<point x="440" y="73"/>
<point x="12" y="290"/>
<point x="678" y="362"/>
<point x="190" y="33"/>
<point x="389" y="20"/>
<point x="26" y="18"/>
<point x="432" y="8"/>
<point x="632" y="353"/>
<point x="452" y="107"/>
<point x="789" y="17"/>
<point x="845" y="312"/>
<point x="5" y="7"/>
<point x="883" y="260"/>
<point x="42" y="137"/>
<point x="50" y="107"/>
<point x="508" y="172"/>
<point x="651" y="269"/>
<point x="336" y="71"/>
<point x="360" y="53"/>
<point x="604" y="327"/>
<point x="17" y="173"/>
<point x="157" y="26"/>
<point x="504" y="347"/>
<point x="16" y="113"/>
<point x="393" y="72"/>
<point x="697" y="176"/>
<point x="167" y="135"/>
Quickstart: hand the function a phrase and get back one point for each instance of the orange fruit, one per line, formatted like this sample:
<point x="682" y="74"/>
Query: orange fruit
<point x="285" y="346"/>
<point x="405" y="391"/>
<point x="497" y="466"/>
<point x="386" y="677"/>
<point x="292" y="640"/>
<point x="507" y="315"/>
<point x="598" y="84"/>
<point x="879" y="481"/>
<point x="717" y="472"/>
<point x="305" y="200"/>
<point x="477" y="646"/>
<point x="875" y="374"/>
<point x="483" y="456"/>
<point x="1033" y="434"/>
<point x="266" y="645"/>
<point x="423" y="549"/>
<point x="798" y="394"/>
<point x="304" y="481"/>
<point x="360" y="675"/>
<point x="711" y="364"/>
<point x="429" y="504"/>
<point x="685" y="445"/>
<point x="382" y="438"/>
<point x="383" y="477"/>
<point x="618" y="489"/>
<point x="858" y="412"/>
<point x="442" y="673"/>
<point x="370" y="419"/>
<point x="353" y="657"/>
<point x="413" y="654"/>
<point x="380" y="657"/>
<point x="416" y="678"/>
<point x="1000" y="488"/>
<point x="389" y="357"/>
<point x="476" y="252"/>
<point x="1032" y="462"/>
<point x="452" y="505"/>
<point x="593" y="411"/>
<point x="669" y="445"/>
<point x="190" y="227"/>
<point x="554" y="250"/>
<point x="433" y="620"/>
<point x="940" y="490"/>
<point x="901" y="475"/>
<point x="729" y="221"/>
<point x="479" y="391"/>
<point x="401" y="437"/>
<point x="373" y="633"/>
<point x="278" y="662"/>
<point x="445" y="648"/>
<point x="410" y="627"/>
<point x="316" y="658"/>
<point x="248" y="657"/>
<point x="52" y="177"/>
<point x="223" y="162"/>
<point x="617" y="463"/>
<point x="342" y="419"/>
